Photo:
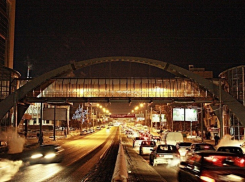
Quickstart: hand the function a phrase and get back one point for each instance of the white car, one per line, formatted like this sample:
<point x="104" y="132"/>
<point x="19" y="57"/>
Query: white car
<point x="165" y="154"/>
<point x="131" y="134"/>
<point x="137" y="141"/>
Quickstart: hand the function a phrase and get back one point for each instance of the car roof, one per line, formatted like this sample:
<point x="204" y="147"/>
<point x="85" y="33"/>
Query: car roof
<point x="211" y="152"/>
<point x="202" y="144"/>
<point x="184" y="142"/>
<point x="229" y="147"/>
<point x="166" y="145"/>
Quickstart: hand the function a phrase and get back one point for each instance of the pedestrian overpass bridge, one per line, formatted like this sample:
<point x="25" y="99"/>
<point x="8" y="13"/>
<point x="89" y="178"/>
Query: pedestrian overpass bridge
<point x="188" y="86"/>
<point x="119" y="90"/>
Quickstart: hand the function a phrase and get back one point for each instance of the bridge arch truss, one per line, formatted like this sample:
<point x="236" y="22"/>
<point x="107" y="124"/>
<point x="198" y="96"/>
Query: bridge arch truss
<point x="46" y="79"/>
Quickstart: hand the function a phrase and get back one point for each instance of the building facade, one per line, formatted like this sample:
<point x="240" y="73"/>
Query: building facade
<point x="7" y="74"/>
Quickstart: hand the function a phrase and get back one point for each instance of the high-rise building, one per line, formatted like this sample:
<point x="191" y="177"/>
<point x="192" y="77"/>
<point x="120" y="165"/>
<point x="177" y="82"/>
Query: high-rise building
<point x="7" y="26"/>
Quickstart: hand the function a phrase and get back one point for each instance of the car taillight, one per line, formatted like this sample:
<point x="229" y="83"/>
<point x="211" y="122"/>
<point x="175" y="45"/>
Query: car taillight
<point x="240" y="162"/>
<point x="158" y="155"/>
<point x="207" y="179"/>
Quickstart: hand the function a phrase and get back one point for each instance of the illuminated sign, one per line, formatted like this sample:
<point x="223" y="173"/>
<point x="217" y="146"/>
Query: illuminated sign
<point x="122" y="116"/>
<point x="178" y="114"/>
<point x="190" y="115"/>
<point x="184" y="114"/>
<point x="156" y="118"/>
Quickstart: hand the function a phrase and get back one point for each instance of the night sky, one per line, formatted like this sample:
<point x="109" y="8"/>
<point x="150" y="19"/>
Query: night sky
<point x="52" y="33"/>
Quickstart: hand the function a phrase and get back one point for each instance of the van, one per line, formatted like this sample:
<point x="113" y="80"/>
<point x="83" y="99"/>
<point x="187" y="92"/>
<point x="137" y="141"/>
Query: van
<point x="172" y="138"/>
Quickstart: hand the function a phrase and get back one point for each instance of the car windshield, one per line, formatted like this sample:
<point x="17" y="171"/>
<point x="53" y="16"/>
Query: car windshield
<point x="235" y="150"/>
<point x="151" y="143"/>
<point x="205" y="147"/>
<point x="166" y="149"/>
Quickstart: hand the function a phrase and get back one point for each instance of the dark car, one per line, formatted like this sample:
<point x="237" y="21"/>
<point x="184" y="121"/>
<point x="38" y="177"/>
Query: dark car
<point x="212" y="166"/>
<point x="146" y="147"/>
<point x="47" y="154"/>
<point x="164" y="154"/>
<point x="195" y="147"/>
<point x="232" y="149"/>
<point x="156" y="138"/>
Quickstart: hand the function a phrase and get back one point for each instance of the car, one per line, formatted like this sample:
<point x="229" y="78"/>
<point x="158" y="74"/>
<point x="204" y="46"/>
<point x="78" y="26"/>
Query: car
<point x="98" y="128"/>
<point x="47" y="154"/>
<point x="146" y="147"/>
<point x="197" y="147"/>
<point x="90" y="130"/>
<point x="165" y="154"/>
<point x="183" y="147"/>
<point x="83" y="132"/>
<point x="156" y="138"/>
<point x="212" y="166"/>
<point x="137" y="141"/>
<point x="131" y="134"/>
<point x="232" y="149"/>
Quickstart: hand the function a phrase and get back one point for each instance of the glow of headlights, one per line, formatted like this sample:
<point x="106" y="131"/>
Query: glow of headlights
<point x="35" y="156"/>
<point x="207" y="179"/>
<point x="50" y="155"/>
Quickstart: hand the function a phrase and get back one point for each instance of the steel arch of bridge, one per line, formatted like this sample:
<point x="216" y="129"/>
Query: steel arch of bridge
<point x="225" y="97"/>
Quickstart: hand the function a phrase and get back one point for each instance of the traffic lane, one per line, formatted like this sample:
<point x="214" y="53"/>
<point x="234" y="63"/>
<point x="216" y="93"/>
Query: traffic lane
<point x="77" y="149"/>
<point x="138" y="166"/>
<point x="74" y="153"/>
<point x="79" y="170"/>
<point x="167" y="171"/>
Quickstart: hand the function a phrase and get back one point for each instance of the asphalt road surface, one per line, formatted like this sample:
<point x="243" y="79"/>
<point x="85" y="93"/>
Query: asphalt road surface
<point x="92" y="158"/>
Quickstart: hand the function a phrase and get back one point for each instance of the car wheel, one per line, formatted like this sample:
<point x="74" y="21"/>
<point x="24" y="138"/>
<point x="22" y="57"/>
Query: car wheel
<point x="180" y="179"/>
<point x="151" y="161"/>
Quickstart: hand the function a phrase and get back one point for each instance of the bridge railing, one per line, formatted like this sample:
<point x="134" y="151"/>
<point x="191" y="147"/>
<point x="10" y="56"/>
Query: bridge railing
<point x="120" y="88"/>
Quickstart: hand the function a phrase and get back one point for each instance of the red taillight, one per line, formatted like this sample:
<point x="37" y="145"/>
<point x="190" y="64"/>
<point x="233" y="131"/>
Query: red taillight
<point x="207" y="179"/>
<point x="240" y="162"/>
<point x="158" y="155"/>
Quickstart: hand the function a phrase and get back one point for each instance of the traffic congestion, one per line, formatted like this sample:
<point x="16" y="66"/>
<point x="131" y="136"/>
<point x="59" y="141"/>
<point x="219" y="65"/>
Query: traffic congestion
<point x="166" y="156"/>
<point x="193" y="159"/>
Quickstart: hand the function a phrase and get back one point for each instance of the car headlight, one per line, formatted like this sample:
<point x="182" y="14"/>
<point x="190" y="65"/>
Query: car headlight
<point x="50" y="155"/>
<point x="35" y="156"/>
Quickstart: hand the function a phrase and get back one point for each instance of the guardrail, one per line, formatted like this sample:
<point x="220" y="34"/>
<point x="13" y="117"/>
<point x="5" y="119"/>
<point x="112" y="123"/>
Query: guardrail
<point x="120" y="171"/>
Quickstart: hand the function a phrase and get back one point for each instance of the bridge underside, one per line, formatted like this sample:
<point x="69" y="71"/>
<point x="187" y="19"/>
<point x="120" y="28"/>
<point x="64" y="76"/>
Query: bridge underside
<point x="67" y="100"/>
